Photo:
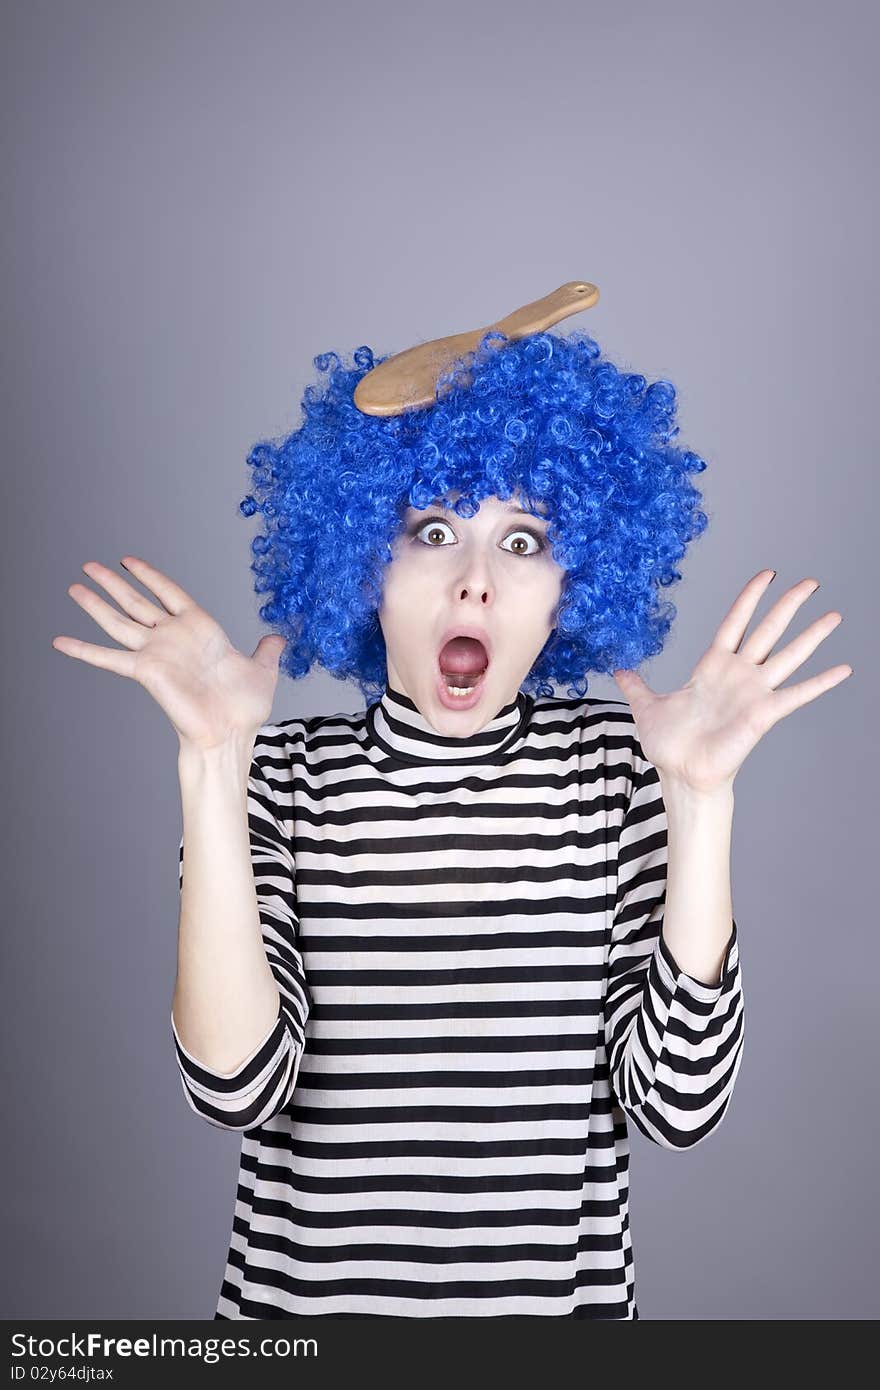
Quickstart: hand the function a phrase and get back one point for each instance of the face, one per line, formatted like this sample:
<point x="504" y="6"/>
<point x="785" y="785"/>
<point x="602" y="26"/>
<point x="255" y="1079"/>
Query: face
<point x="491" y="574"/>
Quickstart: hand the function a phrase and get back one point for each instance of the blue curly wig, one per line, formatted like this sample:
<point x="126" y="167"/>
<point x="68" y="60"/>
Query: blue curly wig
<point x="583" y="444"/>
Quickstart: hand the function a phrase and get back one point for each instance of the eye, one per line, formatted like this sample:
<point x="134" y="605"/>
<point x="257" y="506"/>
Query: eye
<point x="435" y="525"/>
<point x="539" y="542"/>
<point x="431" y="527"/>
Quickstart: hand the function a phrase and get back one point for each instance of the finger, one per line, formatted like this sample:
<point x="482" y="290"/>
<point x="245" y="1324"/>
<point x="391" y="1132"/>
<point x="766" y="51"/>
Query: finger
<point x="108" y="658"/>
<point x="170" y="594"/>
<point x="739" y="615"/>
<point x="123" y="630"/>
<point x="779" y="667"/>
<point x="761" y="642"/>
<point x="131" y="600"/>
<point x="793" y="696"/>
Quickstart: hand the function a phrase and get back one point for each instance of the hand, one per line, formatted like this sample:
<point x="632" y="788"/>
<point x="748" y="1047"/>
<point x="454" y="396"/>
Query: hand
<point x="701" y="735"/>
<point x="179" y="654"/>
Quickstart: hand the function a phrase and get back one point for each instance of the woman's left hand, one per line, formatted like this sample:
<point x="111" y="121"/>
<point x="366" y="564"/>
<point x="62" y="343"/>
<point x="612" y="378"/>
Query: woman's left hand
<point x="701" y="735"/>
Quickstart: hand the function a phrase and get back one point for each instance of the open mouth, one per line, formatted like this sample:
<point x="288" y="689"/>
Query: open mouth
<point x="463" y="663"/>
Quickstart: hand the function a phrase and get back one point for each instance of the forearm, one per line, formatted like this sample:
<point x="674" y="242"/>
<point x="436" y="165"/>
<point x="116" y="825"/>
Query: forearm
<point x="225" y="996"/>
<point x="698" y="913"/>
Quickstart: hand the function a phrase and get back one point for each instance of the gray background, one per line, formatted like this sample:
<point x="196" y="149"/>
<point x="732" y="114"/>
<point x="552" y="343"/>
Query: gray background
<point x="199" y="198"/>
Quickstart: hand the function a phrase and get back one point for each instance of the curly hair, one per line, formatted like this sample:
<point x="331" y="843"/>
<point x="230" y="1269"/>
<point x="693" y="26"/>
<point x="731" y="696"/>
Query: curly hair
<point x="581" y="442"/>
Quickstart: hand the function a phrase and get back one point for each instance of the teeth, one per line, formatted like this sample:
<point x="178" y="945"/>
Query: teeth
<point x="462" y="690"/>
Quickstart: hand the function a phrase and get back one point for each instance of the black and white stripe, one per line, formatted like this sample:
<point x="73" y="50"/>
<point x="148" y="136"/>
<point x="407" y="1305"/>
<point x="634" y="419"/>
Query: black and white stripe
<point x="474" y="996"/>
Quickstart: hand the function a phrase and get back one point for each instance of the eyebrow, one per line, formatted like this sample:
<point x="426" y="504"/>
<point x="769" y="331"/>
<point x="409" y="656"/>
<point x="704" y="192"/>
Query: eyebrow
<point x="516" y="511"/>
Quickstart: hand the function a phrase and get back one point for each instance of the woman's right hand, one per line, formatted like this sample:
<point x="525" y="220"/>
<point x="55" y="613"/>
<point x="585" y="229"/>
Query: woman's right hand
<point x="211" y="693"/>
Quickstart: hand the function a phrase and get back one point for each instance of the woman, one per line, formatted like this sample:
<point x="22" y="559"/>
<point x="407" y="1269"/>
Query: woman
<point x="434" y="955"/>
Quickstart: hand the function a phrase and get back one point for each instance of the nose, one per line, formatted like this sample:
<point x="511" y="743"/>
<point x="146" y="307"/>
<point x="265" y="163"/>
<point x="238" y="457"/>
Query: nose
<point x="475" y="583"/>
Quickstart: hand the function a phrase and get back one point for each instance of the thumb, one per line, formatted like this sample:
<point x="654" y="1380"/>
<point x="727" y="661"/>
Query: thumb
<point x="632" y="685"/>
<point x="268" y="650"/>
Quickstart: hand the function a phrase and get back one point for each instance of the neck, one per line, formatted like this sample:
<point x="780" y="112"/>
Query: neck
<point x="396" y="724"/>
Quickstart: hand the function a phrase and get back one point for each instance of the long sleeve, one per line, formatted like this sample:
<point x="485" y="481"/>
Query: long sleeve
<point x="674" y="1044"/>
<point x="263" y="1083"/>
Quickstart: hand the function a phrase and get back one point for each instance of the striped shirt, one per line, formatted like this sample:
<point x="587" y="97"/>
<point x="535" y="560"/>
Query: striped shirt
<point x="475" y="997"/>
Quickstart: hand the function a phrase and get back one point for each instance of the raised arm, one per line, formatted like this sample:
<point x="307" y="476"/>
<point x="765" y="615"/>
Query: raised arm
<point x="240" y="1001"/>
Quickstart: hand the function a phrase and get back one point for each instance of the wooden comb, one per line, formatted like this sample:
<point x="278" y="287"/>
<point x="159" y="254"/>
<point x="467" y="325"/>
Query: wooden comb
<point x="409" y="378"/>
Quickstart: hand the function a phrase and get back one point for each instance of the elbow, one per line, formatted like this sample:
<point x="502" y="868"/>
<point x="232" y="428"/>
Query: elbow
<point x="239" y="1120"/>
<point x="253" y="1095"/>
<point x="671" y="1130"/>
<point x="680" y="1120"/>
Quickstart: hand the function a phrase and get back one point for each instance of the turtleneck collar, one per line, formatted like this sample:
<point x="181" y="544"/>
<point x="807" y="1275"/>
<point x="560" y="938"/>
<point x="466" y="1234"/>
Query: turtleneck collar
<point x="401" y="730"/>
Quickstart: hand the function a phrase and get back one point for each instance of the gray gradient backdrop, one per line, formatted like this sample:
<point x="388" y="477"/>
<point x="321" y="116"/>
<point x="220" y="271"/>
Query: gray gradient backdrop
<point x="200" y="197"/>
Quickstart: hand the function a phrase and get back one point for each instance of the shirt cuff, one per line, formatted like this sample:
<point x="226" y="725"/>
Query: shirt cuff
<point x="674" y="977"/>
